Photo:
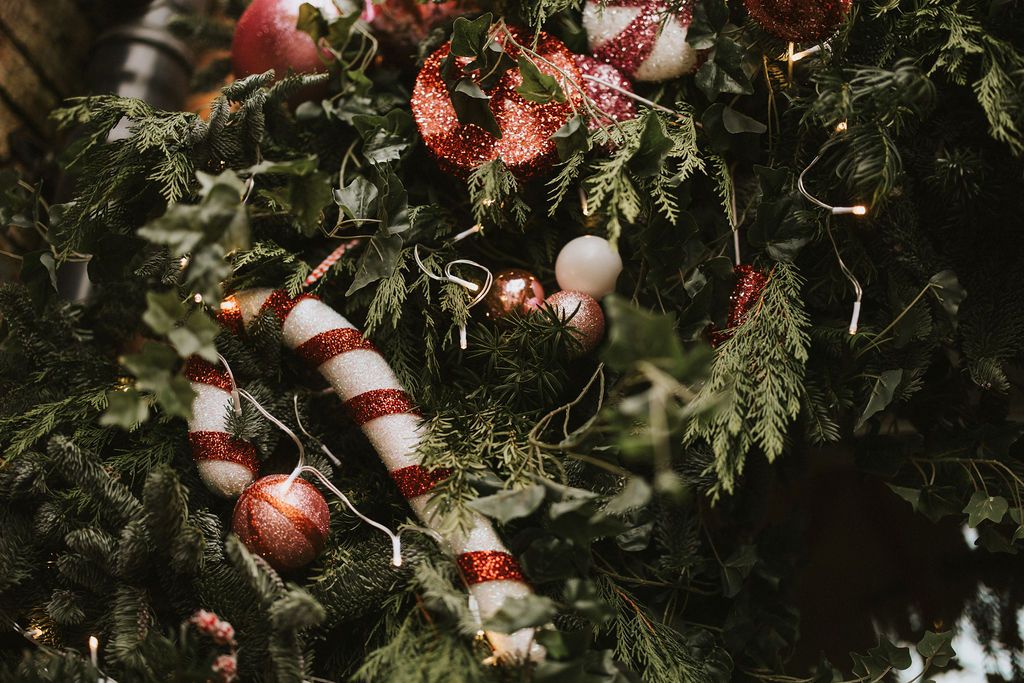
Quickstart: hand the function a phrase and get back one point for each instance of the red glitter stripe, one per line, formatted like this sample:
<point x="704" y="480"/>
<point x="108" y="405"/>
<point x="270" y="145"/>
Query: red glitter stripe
<point x="281" y="304"/>
<point x="489" y="565"/>
<point x="415" y="480"/>
<point x="230" y="316"/>
<point x="326" y="345"/>
<point x="298" y="518"/>
<point x="222" y="446"/>
<point x="198" y="370"/>
<point x="631" y="47"/>
<point x="378" y="403"/>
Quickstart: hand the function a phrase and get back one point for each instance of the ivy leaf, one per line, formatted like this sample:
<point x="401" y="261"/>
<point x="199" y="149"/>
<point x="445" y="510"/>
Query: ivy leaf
<point x="726" y="70"/>
<point x="508" y="505"/>
<point x="524" y="612"/>
<point x="635" y="494"/>
<point x="125" y="409"/>
<point x="938" y="647"/>
<point x="881" y="394"/>
<point x="310" y="21"/>
<point x="163" y="311"/>
<point x="584" y="597"/>
<point x="737" y="568"/>
<point x="473" y="106"/>
<point x="637" y="335"/>
<point x="655" y="144"/>
<point x="571" y="138"/>
<point x="195" y="337"/>
<point x="738" y="122"/>
<point x="304" y="197"/>
<point x="385" y="137"/>
<point x="358" y="199"/>
<point x="152" y="367"/>
<point x="470" y="35"/>
<point x="537" y="86"/>
<point x="982" y="506"/>
<point x="949" y="291"/>
<point x="379" y="260"/>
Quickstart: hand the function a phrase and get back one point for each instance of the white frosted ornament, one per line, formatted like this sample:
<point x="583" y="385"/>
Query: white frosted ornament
<point x="588" y="264"/>
<point x="632" y="36"/>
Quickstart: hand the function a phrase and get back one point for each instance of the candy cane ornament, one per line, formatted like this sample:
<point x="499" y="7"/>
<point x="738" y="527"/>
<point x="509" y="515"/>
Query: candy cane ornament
<point x="226" y="465"/>
<point x="377" y="402"/>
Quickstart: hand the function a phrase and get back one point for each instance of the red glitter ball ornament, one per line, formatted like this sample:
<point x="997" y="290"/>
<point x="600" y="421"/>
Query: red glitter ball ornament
<point x="513" y="290"/>
<point x="750" y="283"/>
<point x="284" y="524"/>
<point x="266" y="38"/>
<point x="525" y="145"/>
<point x="614" y="106"/>
<point x="583" y="315"/>
<point x="799" y="21"/>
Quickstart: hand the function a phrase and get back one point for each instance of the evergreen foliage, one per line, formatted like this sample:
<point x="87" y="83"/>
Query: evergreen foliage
<point x="656" y="492"/>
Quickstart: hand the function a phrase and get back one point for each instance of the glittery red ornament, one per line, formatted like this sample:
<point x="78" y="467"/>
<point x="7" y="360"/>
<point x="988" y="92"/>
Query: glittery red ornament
<point x="525" y="145"/>
<point x="513" y="290"/>
<point x="583" y="314"/>
<point x="613" y="105"/>
<point x="750" y="283"/>
<point x="799" y="21"/>
<point x="266" y="38"/>
<point x="284" y="524"/>
<point x="400" y="25"/>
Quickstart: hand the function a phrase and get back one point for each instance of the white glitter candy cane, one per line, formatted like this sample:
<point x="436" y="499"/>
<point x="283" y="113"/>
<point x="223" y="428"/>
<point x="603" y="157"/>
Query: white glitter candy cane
<point x="377" y="402"/>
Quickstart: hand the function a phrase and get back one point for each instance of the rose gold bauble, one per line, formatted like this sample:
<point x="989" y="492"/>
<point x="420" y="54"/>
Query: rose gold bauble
<point x="513" y="290"/>
<point x="284" y="524"/>
<point x="583" y="314"/>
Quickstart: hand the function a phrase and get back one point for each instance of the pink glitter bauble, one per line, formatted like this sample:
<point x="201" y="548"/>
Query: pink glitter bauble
<point x="284" y="524"/>
<point x="583" y="315"/>
<point x="617" y="106"/>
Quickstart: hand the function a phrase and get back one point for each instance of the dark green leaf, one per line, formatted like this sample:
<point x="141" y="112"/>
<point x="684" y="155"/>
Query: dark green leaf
<point x="537" y="86"/>
<point x="379" y="260"/>
<point x="635" y="494"/>
<point x="938" y="647"/>
<point x="738" y="122"/>
<point x="881" y="394"/>
<point x="949" y="291"/>
<point x="473" y="106"/>
<point x="655" y="144"/>
<point x="983" y="506"/>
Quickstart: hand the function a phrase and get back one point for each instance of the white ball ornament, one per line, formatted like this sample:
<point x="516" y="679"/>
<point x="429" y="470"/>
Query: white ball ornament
<point x="632" y="36"/>
<point x="588" y="264"/>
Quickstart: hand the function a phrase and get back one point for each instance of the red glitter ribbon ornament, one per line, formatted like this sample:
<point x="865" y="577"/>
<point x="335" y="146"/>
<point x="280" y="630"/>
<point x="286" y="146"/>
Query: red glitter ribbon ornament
<point x="416" y="480"/>
<point x="525" y="145"/>
<point x="643" y="39"/>
<point x="612" y="104"/>
<point x="750" y="284"/>
<point x="378" y="403"/>
<point x="326" y="345"/>
<point x="489" y="565"/>
<point x="223" y="447"/>
<point x="799" y="21"/>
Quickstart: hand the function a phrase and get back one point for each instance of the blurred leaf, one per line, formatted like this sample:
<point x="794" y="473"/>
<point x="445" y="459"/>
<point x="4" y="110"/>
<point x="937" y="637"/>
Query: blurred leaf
<point x="517" y="613"/>
<point x="655" y="144"/>
<point x="508" y="505"/>
<point x="125" y="409"/>
<point x="163" y="311"/>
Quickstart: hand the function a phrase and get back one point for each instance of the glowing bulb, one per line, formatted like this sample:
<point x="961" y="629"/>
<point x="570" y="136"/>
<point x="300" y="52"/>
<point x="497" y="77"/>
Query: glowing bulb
<point x="860" y="210"/>
<point x="841" y="127"/>
<point x="228" y="305"/>
<point x="198" y="298"/>
<point x="183" y="262"/>
<point x="94" y="644"/>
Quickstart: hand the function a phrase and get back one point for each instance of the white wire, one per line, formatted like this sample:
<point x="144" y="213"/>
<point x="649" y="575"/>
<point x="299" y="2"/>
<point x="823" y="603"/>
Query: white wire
<point x="298" y="420"/>
<point x="396" y="542"/>
<point x="284" y="428"/>
<point x="858" y="290"/>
